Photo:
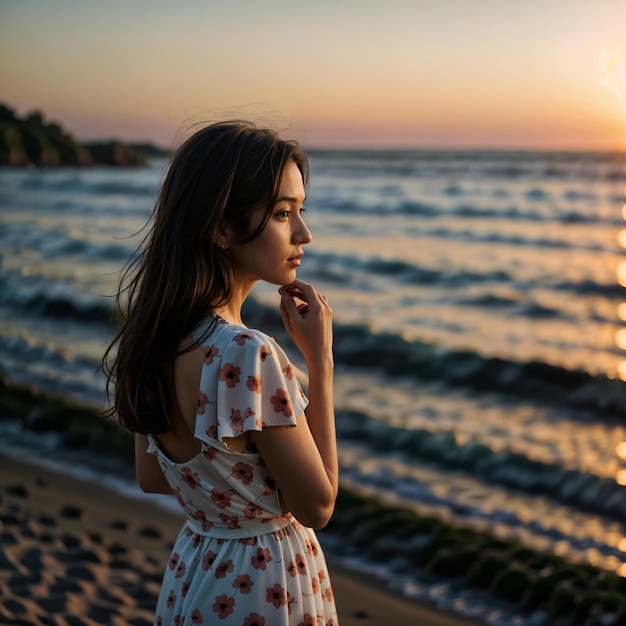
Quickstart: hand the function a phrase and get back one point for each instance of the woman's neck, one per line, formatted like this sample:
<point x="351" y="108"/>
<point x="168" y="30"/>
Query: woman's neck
<point x="231" y="311"/>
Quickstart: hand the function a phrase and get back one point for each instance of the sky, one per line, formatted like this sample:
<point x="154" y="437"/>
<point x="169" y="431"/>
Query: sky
<point x="538" y="74"/>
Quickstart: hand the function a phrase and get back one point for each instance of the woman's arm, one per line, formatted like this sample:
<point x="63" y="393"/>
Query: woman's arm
<point x="303" y="460"/>
<point x="147" y="469"/>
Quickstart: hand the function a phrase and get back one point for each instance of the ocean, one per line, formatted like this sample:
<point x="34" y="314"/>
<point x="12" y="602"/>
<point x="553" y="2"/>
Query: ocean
<point x="480" y="323"/>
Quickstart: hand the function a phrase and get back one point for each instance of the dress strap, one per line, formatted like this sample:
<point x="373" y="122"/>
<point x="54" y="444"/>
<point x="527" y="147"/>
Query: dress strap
<point x="152" y="447"/>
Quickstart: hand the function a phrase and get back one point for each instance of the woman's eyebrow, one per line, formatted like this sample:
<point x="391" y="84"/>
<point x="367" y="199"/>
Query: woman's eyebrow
<point x="292" y="199"/>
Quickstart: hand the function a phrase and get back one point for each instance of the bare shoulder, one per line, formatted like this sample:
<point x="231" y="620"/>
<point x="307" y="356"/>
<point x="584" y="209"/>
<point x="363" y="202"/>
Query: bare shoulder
<point x="187" y="372"/>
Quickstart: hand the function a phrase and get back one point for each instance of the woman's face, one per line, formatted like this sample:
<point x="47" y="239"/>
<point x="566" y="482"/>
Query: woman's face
<point x="274" y="255"/>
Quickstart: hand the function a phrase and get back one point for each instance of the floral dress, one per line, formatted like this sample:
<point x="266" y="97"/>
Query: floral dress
<point x="239" y="559"/>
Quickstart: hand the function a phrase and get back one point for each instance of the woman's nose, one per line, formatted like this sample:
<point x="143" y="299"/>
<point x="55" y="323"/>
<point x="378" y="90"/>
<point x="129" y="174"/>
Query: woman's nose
<point x="303" y="234"/>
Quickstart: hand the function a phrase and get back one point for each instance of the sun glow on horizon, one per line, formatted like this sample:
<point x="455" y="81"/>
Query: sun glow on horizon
<point x="612" y="72"/>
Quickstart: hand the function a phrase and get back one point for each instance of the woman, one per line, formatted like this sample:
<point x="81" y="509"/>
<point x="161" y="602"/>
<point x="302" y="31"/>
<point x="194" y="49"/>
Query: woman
<point x="216" y="408"/>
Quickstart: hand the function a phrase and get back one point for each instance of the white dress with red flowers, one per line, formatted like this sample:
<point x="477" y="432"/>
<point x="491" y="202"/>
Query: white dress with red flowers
<point x="239" y="559"/>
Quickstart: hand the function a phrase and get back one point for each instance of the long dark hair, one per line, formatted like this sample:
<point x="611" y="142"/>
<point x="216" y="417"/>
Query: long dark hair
<point x="224" y="174"/>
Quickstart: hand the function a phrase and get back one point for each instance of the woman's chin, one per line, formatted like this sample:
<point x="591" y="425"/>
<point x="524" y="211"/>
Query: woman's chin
<point x="284" y="280"/>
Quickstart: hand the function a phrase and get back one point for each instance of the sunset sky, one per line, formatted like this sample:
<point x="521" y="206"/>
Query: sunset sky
<point x="393" y="73"/>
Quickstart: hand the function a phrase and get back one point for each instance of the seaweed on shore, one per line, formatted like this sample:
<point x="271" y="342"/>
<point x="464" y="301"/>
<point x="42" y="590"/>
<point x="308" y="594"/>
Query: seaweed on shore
<point x="529" y="579"/>
<point x="80" y="426"/>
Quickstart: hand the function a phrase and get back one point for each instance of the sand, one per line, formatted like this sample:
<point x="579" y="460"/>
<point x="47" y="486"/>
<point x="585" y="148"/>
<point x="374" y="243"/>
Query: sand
<point x="73" y="553"/>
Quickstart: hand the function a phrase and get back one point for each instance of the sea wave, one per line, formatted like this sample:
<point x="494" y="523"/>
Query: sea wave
<point x="357" y="346"/>
<point x="54" y="243"/>
<point x="323" y="264"/>
<point x="509" y="468"/>
<point x="535" y="212"/>
<point x="38" y="296"/>
<point x="477" y="164"/>
<point x="82" y="183"/>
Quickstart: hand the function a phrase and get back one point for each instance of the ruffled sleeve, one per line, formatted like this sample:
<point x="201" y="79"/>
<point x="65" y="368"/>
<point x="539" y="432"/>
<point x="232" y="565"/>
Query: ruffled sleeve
<point x="247" y="383"/>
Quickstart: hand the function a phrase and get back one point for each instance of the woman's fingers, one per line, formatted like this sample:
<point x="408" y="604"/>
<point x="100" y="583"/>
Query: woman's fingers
<point x="304" y="292"/>
<point x="300" y="297"/>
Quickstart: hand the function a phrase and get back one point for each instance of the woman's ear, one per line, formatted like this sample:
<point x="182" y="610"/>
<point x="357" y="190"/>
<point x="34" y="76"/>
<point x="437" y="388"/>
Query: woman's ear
<point x="223" y="235"/>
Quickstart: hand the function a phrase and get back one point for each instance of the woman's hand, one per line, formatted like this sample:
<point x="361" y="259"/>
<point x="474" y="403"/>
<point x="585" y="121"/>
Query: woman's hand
<point x="307" y="317"/>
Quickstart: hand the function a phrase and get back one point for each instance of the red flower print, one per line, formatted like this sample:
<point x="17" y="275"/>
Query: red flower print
<point x="276" y="596"/>
<point x="180" y="570"/>
<point x="321" y="575"/>
<point x="184" y="589"/>
<point x="261" y="559"/>
<point x="288" y="372"/>
<point x="196" y="617"/>
<point x="254" y="619"/>
<point x="203" y="400"/>
<point x="254" y="383"/>
<point x="209" y="452"/>
<point x="221" y="498"/>
<point x="236" y="421"/>
<point x="249" y="413"/>
<point x="225" y="567"/>
<point x="223" y="606"/>
<point x="178" y="620"/>
<point x="195" y="540"/>
<point x="308" y="620"/>
<point x="191" y="478"/>
<point x="243" y="472"/>
<point x="311" y="548"/>
<point x="210" y="352"/>
<point x="231" y="521"/>
<point x="298" y="566"/>
<point x="241" y="338"/>
<point x="331" y="622"/>
<point x="282" y="403"/>
<point x="329" y="594"/>
<point x="201" y="517"/>
<point x="264" y="352"/>
<point x="251" y="511"/>
<point x="244" y="583"/>
<point x="208" y="559"/>
<point x="229" y="374"/>
<point x="315" y="585"/>
<point x="174" y="560"/>
<point x="171" y="599"/>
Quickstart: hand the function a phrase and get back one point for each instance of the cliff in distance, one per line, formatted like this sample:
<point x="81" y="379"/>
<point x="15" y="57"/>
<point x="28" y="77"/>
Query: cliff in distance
<point x="32" y="141"/>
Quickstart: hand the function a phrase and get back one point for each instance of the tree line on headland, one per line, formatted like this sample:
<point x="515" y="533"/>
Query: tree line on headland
<point x="31" y="141"/>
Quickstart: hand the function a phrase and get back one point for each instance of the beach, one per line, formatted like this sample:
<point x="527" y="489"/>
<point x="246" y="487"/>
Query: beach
<point x="75" y="552"/>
